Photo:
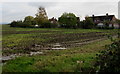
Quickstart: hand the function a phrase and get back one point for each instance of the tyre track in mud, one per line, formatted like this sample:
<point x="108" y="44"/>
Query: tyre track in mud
<point x="66" y="45"/>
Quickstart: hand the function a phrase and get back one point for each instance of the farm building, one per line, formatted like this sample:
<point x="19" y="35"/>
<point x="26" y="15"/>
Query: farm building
<point x="101" y="20"/>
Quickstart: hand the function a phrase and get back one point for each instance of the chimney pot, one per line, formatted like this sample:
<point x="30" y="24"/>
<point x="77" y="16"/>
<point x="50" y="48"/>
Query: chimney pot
<point x="106" y="14"/>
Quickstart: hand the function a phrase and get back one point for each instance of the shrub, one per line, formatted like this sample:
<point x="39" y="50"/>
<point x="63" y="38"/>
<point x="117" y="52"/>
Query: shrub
<point x="13" y="24"/>
<point x="88" y="23"/>
<point x="109" y="59"/>
<point x="81" y="24"/>
<point x="20" y="24"/>
<point x="48" y="25"/>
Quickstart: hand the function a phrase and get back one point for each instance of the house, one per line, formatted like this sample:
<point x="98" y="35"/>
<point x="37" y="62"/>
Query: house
<point x="53" y="20"/>
<point x="101" y="21"/>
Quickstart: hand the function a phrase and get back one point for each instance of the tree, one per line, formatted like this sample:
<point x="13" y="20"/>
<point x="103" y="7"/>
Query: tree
<point x="13" y="24"/>
<point x="88" y="23"/>
<point x="41" y="16"/>
<point x="68" y="20"/>
<point x="29" y="20"/>
<point x="106" y="22"/>
<point x="18" y="23"/>
<point x="80" y="24"/>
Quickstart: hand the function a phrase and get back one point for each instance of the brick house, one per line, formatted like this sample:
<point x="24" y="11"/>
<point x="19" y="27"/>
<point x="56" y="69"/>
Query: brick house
<point x="111" y="19"/>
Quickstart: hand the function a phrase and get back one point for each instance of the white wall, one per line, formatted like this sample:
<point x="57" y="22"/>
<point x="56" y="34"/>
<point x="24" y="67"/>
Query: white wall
<point x="116" y="26"/>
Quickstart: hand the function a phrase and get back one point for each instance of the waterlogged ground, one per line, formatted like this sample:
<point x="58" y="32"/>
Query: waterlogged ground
<point x="52" y="50"/>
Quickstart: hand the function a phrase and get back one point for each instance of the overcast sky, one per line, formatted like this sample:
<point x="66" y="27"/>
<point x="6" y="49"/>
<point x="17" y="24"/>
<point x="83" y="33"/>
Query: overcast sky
<point x="18" y="10"/>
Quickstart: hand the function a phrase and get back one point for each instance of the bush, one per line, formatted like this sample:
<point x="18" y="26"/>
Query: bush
<point x="88" y="23"/>
<point x="16" y="24"/>
<point x="48" y="25"/>
<point x="109" y="59"/>
<point x="13" y="24"/>
<point x="20" y="24"/>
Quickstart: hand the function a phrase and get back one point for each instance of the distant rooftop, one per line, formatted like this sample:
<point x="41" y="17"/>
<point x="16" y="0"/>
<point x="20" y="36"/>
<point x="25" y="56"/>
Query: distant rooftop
<point x="102" y="17"/>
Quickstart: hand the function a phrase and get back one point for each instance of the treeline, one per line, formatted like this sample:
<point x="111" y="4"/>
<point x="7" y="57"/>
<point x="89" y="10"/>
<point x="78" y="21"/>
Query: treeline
<point x="41" y="20"/>
<point x="32" y="24"/>
<point x="66" y="20"/>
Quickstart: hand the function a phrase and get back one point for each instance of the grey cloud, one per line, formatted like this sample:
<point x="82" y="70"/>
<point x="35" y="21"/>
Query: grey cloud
<point x="18" y="10"/>
<point x="43" y="4"/>
<point x="86" y="8"/>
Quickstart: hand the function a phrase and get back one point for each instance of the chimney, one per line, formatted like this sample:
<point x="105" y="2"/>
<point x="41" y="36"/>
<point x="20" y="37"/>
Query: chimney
<point x="93" y="17"/>
<point x="106" y="14"/>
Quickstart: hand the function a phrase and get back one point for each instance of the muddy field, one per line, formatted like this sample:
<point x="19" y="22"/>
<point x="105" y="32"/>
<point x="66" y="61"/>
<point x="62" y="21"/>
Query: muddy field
<point x="52" y="49"/>
<point x="20" y="40"/>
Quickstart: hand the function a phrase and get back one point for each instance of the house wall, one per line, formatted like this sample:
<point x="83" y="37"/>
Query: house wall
<point x="114" y="19"/>
<point x="100" y="25"/>
<point x="110" y="25"/>
<point x="116" y="26"/>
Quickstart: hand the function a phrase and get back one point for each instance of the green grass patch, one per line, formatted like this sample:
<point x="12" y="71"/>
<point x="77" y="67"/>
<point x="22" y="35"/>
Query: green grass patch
<point x="58" y="61"/>
<point x="63" y="63"/>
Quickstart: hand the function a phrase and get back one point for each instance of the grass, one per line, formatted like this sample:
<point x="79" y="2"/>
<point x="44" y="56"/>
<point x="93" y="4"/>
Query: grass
<point x="7" y="28"/>
<point x="19" y="40"/>
<point x="0" y="68"/>
<point x="47" y="63"/>
<point x="58" y="61"/>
